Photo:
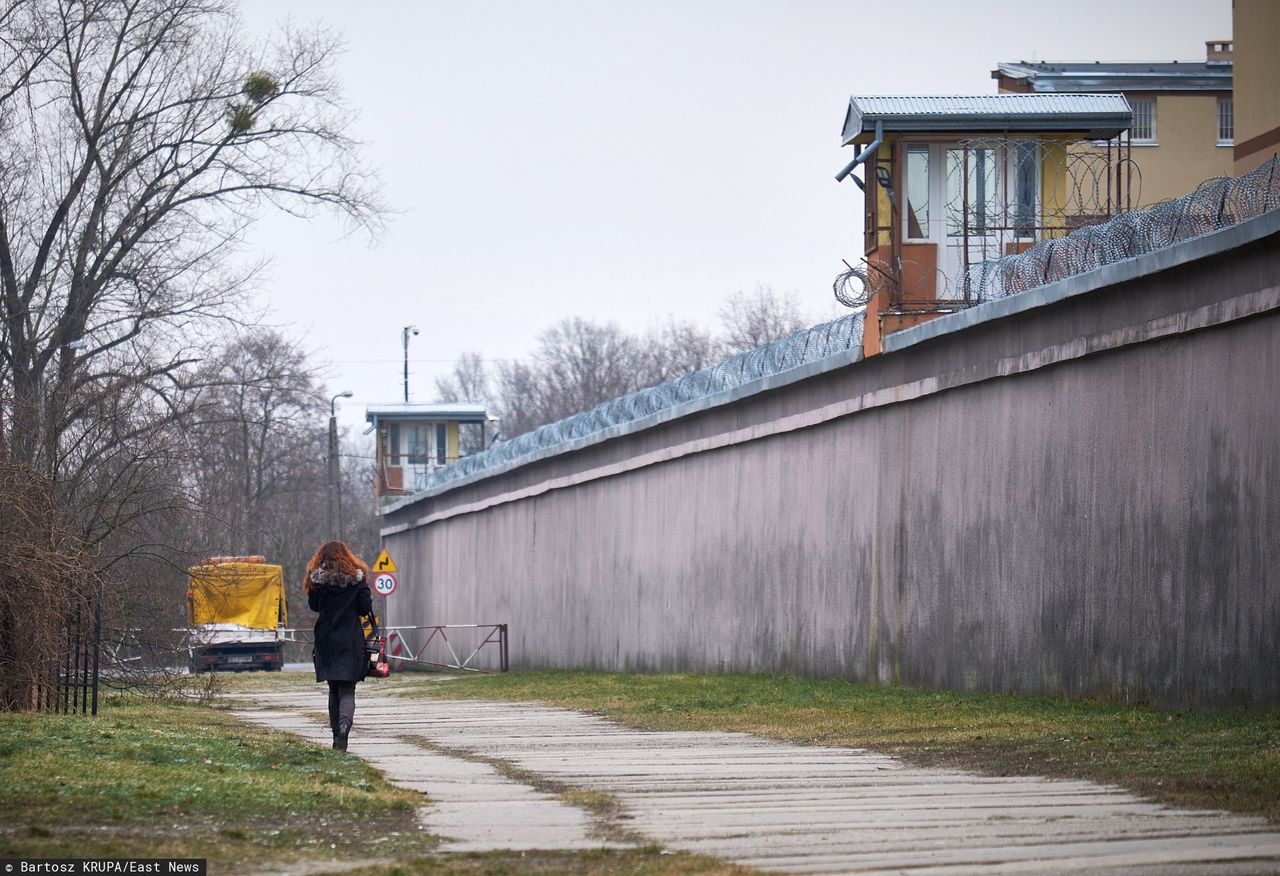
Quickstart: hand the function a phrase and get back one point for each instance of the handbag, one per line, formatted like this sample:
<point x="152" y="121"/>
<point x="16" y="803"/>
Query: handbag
<point x="375" y="652"/>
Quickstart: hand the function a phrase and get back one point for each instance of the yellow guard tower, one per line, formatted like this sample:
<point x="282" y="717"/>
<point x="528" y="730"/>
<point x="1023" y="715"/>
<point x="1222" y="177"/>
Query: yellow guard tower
<point x="414" y="440"/>
<point x="954" y="182"/>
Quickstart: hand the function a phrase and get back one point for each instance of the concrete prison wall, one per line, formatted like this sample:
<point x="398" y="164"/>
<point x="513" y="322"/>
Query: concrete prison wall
<point x="1074" y="490"/>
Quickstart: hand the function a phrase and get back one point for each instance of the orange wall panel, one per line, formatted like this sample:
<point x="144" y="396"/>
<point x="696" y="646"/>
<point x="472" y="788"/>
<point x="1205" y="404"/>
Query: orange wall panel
<point x="919" y="272"/>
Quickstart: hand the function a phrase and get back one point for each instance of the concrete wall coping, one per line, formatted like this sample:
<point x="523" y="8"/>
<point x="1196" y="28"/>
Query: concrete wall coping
<point x="675" y="412"/>
<point x="1042" y="296"/>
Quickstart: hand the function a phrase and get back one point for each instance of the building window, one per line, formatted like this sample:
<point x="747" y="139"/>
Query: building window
<point x="973" y="191"/>
<point x="918" y="191"/>
<point x="1026" y="179"/>
<point x="1144" y="120"/>
<point x="1226" y="122"/>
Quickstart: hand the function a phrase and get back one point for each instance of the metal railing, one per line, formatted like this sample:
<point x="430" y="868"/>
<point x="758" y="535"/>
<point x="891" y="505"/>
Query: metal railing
<point x="496" y="635"/>
<point x="400" y="648"/>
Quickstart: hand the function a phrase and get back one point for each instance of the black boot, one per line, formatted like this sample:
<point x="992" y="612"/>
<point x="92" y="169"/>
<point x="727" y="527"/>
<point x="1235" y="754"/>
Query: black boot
<point x="340" y="735"/>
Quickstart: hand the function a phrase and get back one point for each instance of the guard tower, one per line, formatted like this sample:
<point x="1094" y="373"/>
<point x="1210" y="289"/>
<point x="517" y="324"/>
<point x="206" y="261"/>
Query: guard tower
<point x="954" y="182"/>
<point x="414" y="440"/>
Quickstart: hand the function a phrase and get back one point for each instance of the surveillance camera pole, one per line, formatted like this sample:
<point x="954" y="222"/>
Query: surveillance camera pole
<point x="404" y="337"/>
<point x="335" y="490"/>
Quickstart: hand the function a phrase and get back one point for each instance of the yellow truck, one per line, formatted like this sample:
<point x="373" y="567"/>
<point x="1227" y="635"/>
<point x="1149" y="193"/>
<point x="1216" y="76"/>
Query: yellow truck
<point x="236" y="608"/>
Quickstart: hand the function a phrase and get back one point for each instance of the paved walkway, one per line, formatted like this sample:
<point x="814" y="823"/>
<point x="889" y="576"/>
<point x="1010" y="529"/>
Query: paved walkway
<point x="762" y="803"/>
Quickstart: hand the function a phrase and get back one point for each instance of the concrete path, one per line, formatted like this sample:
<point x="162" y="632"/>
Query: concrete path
<point x="474" y="806"/>
<point x="765" y="804"/>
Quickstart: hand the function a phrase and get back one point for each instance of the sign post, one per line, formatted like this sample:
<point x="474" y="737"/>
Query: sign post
<point x="385" y="578"/>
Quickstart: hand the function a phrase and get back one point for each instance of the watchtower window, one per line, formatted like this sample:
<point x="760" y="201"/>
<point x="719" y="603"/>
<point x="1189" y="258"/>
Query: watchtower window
<point x="918" y="191"/>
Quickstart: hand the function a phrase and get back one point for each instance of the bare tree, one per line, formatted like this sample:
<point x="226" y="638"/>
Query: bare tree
<point x="139" y="139"/>
<point x="518" y="399"/>
<point x="47" y="581"/>
<point x="468" y="382"/>
<point x="577" y="365"/>
<point x="260" y="445"/>
<point x="752" y="319"/>
<point x="675" y="348"/>
<point x="584" y="363"/>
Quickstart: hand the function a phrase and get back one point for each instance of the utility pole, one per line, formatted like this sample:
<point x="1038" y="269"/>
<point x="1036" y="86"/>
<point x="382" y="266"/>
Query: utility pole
<point x="335" y="495"/>
<point x="404" y="337"/>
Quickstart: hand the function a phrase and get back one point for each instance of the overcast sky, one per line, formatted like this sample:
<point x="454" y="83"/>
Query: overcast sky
<point x="624" y="161"/>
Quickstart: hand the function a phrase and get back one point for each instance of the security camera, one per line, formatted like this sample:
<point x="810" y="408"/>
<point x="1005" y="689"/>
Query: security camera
<point x="415" y="330"/>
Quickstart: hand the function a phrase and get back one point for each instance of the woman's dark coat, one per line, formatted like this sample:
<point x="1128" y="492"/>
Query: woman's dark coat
<point x="341" y="600"/>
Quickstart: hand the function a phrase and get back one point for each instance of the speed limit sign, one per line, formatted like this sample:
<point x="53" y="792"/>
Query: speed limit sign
<point x="384" y="584"/>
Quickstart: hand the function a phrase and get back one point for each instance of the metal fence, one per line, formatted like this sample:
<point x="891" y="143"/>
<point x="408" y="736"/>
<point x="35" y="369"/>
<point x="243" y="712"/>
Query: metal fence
<point x="1215" y="204"/>
<point x="801" y="348"/>
<point x="71" y="686"/>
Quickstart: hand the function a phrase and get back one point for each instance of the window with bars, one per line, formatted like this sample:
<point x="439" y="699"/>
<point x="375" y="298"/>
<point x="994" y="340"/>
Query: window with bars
<point x="1143" y="129"/>
<point x="1226" y="122"/>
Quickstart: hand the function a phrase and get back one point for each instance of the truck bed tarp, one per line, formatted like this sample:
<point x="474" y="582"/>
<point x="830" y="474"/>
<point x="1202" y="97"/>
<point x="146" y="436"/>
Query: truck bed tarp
<point x="249" y="594"/>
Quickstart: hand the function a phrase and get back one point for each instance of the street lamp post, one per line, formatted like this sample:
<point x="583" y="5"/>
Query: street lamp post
<point x="335" y="495"/>
<point x="404" y="337"/>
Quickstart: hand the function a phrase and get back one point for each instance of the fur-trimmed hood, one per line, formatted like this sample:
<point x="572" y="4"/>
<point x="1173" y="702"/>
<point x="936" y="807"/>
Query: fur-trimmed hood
<point x="332" y="578"/>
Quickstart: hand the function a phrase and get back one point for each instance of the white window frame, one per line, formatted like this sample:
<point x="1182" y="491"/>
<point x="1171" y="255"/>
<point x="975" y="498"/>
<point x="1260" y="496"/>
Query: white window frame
<point x="1151" y="138"/>
<point x="1229" y="116"/>
<point x="932" y="150"/>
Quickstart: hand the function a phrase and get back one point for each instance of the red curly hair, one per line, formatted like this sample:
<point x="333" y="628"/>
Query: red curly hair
<point x="333" y="556"/>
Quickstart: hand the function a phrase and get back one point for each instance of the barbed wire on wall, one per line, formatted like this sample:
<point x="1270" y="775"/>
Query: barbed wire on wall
<point x="1214" y="204"/>
<point x="997" y="195"/>
<point x="793" y="351"/>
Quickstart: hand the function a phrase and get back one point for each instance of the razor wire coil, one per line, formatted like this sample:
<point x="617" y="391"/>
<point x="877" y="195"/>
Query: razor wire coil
<point x="1213" y="205"/>
<point x="805" y="346"/>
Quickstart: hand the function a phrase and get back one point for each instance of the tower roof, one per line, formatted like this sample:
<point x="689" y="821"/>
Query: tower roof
<point x="1096" y="116"/>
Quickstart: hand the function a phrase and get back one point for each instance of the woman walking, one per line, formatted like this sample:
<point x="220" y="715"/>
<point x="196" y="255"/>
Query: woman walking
<point x="337" y="588"/>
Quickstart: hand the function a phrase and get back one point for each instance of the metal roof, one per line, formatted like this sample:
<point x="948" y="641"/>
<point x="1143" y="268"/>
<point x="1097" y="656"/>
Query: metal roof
<point x="1097" y="116"/>
<point x="463" y="413"/>
<point x="1073" y="77"/>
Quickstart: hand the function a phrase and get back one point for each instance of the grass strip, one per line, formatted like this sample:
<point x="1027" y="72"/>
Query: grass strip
<point x="167" y="779"/>
<point x="157" y="780"/>
<point x="648" y="861"/>
<point x="1221" y="760"/>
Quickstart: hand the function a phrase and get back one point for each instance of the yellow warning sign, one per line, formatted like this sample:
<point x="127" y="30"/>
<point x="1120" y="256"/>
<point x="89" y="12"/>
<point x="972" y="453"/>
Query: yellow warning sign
<point x="384" y="563"/>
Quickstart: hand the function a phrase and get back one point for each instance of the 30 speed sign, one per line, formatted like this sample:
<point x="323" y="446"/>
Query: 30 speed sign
<point x="384" y="584"/>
